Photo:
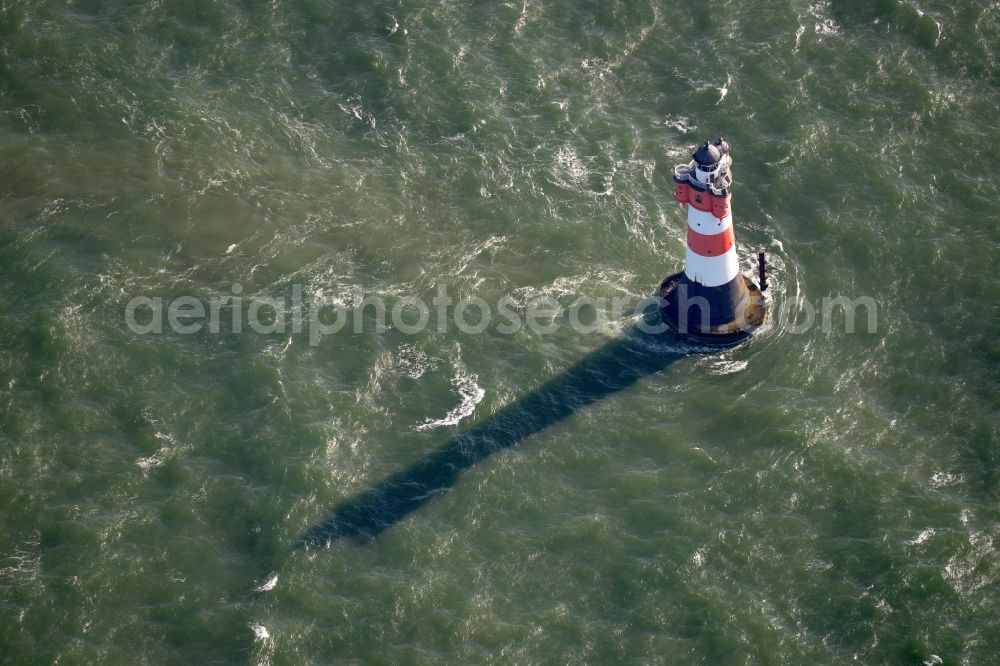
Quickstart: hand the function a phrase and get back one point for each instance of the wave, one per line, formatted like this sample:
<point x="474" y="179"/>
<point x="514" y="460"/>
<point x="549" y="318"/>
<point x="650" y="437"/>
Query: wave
<point x="470" y="392"/>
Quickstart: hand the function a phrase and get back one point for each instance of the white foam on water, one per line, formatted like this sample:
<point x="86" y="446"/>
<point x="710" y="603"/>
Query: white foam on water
<point x="967" y="571"/>
<point x="724" y="89"/>
<point x="493" y="243"/>
<point x="161" y="456"/>
<point x="942" y="479"/>
<point x="726" y="367"/>
<point x="149" y="462"/>
<point x="570" y="170"/>
<point x="825" y="24"/>
<point x="23" y="563"/>
<point x="412" y="362"/>
<point x="522" y="20"/>
<point x="682" y="124"/>
<point x="471" y="395"/>
<point x="267" y="585"/>
<point x="921" y="538"/>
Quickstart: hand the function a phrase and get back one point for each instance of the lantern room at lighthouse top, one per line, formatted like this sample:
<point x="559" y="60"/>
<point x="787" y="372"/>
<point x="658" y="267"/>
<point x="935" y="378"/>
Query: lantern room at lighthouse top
<point x="704" y="182"/>
<point x="710" y="160"/>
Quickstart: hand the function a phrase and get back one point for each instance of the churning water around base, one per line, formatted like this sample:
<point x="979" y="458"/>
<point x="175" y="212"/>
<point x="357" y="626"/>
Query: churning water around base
<point x="817" y="496"/>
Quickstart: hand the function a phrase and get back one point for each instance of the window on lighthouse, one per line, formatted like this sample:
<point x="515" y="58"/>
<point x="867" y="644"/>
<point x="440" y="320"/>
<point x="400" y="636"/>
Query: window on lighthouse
<point x="707" y="173"/>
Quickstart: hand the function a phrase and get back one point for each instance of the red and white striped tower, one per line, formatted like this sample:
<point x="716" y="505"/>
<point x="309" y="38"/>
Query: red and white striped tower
<point x="711" y="299"/>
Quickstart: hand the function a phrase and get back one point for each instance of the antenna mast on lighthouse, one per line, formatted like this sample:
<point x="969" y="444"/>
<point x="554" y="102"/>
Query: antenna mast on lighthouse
<point x="710" y="300"/>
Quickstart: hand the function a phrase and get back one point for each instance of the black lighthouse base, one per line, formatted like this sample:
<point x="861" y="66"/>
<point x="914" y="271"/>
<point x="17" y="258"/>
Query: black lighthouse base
<point x="685" y="320"/>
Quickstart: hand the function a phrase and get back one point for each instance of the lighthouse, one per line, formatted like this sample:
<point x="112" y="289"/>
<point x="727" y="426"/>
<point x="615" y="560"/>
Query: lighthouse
<point x="710" y="300"/>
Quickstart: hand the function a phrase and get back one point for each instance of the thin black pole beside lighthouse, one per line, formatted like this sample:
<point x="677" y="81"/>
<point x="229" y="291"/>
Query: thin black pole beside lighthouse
<point x="710" y="300"/>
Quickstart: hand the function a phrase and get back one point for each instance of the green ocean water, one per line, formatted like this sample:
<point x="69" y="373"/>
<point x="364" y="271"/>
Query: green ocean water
<point x="816" y="496"/>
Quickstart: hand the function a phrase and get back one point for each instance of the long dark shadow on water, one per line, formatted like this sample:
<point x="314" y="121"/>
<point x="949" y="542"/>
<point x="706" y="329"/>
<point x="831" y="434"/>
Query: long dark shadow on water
<point x="613" y="367"/>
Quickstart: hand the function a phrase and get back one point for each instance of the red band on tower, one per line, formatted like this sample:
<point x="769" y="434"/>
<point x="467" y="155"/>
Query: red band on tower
<point x="700" y="200"/>
<point x="711" y="245"/>
<point x="720" y="206"/>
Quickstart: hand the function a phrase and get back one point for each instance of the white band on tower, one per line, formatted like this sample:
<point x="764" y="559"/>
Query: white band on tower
<point x="705" y="223"/>
<point x="712" y="271"/>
